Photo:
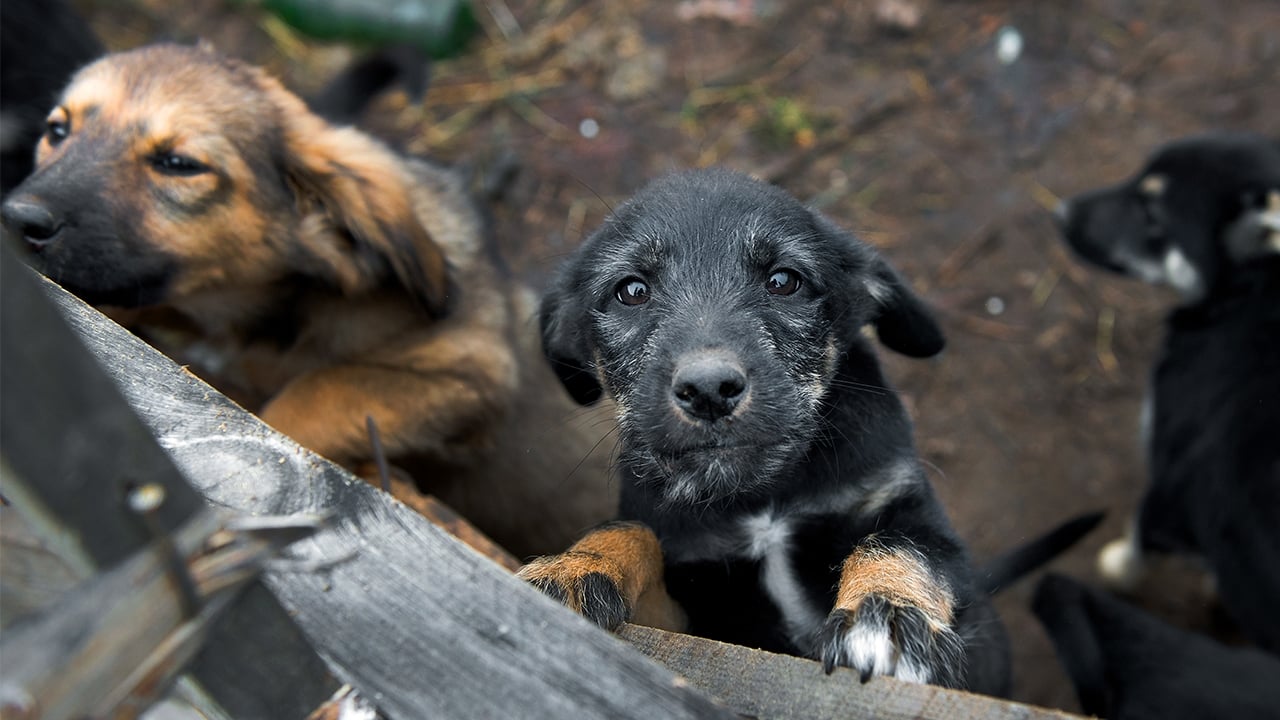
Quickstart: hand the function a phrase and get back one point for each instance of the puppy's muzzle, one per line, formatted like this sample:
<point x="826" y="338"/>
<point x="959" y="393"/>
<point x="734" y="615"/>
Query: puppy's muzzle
<point x="708" y="386"/>
<point x="32" y="221"/>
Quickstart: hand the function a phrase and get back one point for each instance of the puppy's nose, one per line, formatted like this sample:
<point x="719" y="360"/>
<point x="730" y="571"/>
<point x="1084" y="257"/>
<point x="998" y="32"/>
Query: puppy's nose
<point x="708" y="387"/>
<point x="31" y="221"/>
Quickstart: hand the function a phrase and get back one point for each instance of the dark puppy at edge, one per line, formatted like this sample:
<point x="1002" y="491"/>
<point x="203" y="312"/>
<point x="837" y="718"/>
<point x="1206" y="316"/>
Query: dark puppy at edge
<point x="1203" y="216"/>
<point x="1127" y="665"/>
<point x="33" y="70"/>
<point x="769" y="479"/>
<point x="316" y="276"/>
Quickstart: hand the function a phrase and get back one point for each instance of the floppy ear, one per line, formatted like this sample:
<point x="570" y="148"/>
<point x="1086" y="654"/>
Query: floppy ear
<point x="359" y="219"/>
<point x="903" y="322"/>
<point x="566" y="347"/>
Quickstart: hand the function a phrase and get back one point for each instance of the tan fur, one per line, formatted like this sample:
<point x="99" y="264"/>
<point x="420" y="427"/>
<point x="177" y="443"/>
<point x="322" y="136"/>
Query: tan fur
<point x="901" y="577"/>
<point x="630" y="556"/>
<point x="404" y="315"/>
<point x="1153" y="186"/>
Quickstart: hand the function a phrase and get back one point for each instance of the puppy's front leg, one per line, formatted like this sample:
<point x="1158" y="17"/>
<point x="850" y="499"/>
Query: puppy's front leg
<point x="893" y="616"/>
<point x="439" y="413"/>
<point x="612" y="575"/>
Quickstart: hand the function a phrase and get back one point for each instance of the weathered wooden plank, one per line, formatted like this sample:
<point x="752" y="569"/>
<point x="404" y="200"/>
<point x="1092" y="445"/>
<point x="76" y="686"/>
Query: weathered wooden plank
<point x="421" y="624"/>
<point x="115" y="643"/>
<point x="766" y="685"/>
<point x="425" y="626"/>
<point x="78" y="446"/>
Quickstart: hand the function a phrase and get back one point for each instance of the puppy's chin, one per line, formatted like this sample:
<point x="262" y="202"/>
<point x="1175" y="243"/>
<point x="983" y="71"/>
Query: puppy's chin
<point x="709" y="476"/>
<point x="135" y="296"/>
<point x="140" y="282"/>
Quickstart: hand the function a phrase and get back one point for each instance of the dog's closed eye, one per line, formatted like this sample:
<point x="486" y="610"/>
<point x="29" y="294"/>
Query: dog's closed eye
<point x="176" y="165"/>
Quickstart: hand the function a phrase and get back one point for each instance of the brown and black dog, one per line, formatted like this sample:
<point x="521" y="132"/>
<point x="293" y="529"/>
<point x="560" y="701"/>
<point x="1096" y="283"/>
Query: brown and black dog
<point x="315" y="275"/>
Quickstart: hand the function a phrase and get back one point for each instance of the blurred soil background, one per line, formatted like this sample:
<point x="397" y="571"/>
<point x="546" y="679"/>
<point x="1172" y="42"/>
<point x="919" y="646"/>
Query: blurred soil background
<point x="941" y="131"/>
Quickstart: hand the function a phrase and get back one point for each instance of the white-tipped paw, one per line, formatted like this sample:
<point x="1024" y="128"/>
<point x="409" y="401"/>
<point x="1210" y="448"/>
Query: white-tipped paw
<point x="901" y="641"/>
<point x="1120" y="564"/>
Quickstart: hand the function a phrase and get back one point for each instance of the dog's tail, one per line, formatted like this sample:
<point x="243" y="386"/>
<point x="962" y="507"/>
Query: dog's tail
<point x="1063" y="607"/>
<point x="1005" y="569"/>
<point x="346" y="96"/>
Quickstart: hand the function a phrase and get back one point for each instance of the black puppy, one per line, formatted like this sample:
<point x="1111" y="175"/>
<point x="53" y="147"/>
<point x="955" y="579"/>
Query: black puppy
<point x="769" y="478"/>
<point x="1191" y="216"/>
<point x="1127" y="665"/>
<point x="42" y="42"/>
<point x="1203" y="217"/>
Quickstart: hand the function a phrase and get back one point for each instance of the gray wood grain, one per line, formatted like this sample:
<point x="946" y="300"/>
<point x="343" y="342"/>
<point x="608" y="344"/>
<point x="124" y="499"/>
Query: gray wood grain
<point x="421" y="624"/>
<point x="766" y="685"/>
<point x="71" y="449"/>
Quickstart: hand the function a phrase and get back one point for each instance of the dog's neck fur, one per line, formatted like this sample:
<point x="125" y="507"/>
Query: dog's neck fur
<point x="228" y="312"/>
<point x="1254" y="282"/>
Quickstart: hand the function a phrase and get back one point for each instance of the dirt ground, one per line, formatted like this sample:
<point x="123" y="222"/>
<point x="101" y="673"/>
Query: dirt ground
<point x="901" y="120"/>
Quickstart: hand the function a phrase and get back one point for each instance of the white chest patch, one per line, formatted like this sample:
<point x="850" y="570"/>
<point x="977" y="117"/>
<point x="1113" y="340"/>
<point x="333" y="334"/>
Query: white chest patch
<point x="1180" y="273"/>
<point x="768" y="539"/>
<point x="1146" y="421"/>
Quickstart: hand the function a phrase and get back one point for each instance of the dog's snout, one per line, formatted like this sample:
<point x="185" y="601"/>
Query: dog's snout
<point x="708" y="387"/>
<point x="31" y="220"/>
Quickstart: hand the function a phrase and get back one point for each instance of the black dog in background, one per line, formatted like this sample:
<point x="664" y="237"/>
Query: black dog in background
<point x="1127" y="665"/>
<point x="1203" y="216"/>
<point x="769" y="479"/>
<point x="42" y="43"/>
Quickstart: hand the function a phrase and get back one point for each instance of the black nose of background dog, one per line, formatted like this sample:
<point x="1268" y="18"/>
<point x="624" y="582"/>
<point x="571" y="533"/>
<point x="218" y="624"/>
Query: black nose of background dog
<point x="708" y="387"/>
<point x="31" y="221"/>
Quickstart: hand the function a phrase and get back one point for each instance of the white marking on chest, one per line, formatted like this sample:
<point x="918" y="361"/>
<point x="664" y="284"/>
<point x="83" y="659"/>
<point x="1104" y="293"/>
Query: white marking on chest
<point x="768" y="539"/>
<point x="1180" y="273"/>
<point x="1147" y="420"/>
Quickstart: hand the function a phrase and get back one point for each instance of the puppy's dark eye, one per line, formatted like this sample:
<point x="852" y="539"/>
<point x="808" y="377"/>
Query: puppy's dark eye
<point x="783" y="282"/>
<point x="632" y="291"/>
<point x="177" y="165"/>
<point x="57" y="130"/>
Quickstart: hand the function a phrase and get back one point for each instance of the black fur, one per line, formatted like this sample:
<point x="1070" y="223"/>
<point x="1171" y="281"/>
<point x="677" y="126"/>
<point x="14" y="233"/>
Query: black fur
<point x="347" y="95"/>
<point x="1209" y="183"/>
<point x="42" y="43"/>
<point x="907" y="623"/>
<point x="600" y="599"/>
<point x="759" y="438"/>
<point x="996" y="574"/>
<point x="1214" y="402"/>
<point x="1127" y="665"/>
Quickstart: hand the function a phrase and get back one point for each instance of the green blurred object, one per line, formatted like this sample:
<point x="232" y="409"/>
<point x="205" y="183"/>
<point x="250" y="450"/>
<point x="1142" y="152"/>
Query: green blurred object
<point x="439" y="28"/>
